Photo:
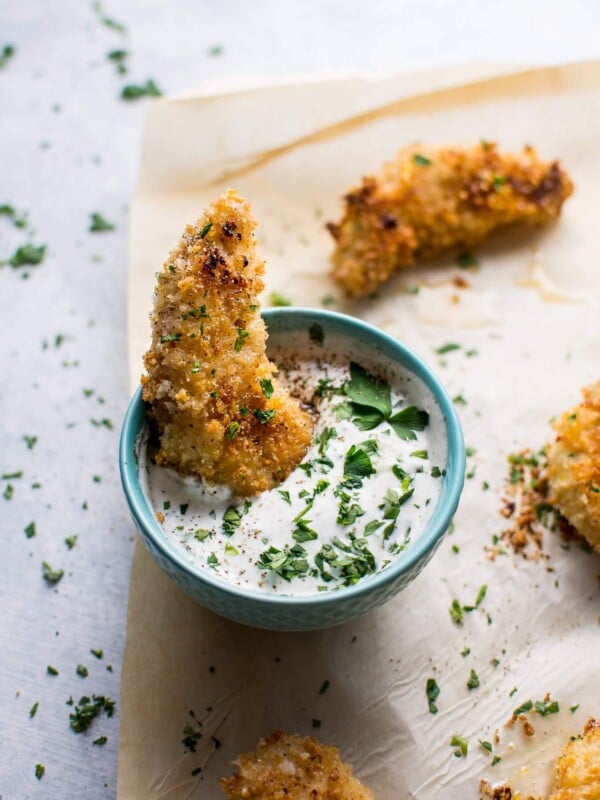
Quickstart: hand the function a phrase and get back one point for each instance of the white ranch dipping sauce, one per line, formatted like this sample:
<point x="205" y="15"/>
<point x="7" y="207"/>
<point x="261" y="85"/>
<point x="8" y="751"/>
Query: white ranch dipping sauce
<point x="325" y="526"/>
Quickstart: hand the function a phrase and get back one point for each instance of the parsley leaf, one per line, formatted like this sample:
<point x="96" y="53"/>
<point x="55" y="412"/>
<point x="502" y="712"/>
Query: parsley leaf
<point x="432" y="690"/>
<point x="366" y="390"/>
<point x="267" y="387"/>
<point x="27" y="254"/>
<point x="408" y="420"/>
<point x="135" y="91"/>
<point x="462" y="744"/>
<point x="98" y="224"/>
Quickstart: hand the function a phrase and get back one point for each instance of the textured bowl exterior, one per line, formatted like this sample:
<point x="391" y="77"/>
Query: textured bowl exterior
<point x="289" y="613"/>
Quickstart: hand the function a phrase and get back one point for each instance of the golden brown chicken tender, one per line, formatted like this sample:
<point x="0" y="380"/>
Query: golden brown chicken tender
<point x="213" y="397"/>
<point x="429" y="201"/>
<point x="574" y="466"/>
<point x="291" y="767"/>
<point x="577" y="773"/>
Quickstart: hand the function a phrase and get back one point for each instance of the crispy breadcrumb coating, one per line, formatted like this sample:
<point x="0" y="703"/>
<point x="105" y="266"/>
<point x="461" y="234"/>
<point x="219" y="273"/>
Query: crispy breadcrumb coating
<point x="213" y="398"/>
<point x="574" y="466"/>
<point x="429" y="201"/>
<point x="291" y="767"/>
<point x="577" y="773"/>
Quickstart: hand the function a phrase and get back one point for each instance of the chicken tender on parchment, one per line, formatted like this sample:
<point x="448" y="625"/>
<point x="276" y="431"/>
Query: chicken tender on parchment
<point x="577" y="773"/>
<point x="291" y="767"/>
<point x="429" y="201"/>
<point x="574" y="466"/>
<point x="213" y="397"/>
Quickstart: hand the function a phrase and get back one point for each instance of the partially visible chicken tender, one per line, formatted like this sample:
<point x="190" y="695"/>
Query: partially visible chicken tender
<point x="213" y="397"/>
<point x="577" y="773"/>
<point x="291" y="767"/>
<point x="429" y="201"/>
<point x="574" y="466"/>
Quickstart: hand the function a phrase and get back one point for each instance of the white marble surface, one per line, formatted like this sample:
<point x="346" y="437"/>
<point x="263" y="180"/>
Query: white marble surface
<point x="69" y="147"/>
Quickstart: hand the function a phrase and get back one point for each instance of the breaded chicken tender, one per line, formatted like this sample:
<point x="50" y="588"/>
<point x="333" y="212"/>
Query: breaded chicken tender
<point x="213" y="397"/>
<point x="429" y="201"/>
<point x="291" y="767"/>
<point x="577" y="773"/>
<point x="574" y="466"/>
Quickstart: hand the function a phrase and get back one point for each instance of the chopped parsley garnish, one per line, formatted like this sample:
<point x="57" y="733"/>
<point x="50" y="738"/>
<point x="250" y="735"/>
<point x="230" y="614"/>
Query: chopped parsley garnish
<point x="6" y="54"/>
<point x="357" y="466"/>
<point x="241" y="337"/>
<point x="134" y="91"/>
<point x="285" y="495"/>
<point x="447" y="348"/>
<point x="71" y="541"/>
<point x="82" y="671"/>
<point x="51" y="670"/>
<point x="420" y="160"/>
<point x="51" y="576"/>
<point x="170" y="337"/>
<point x="316" y="334"/>
<point x="266" y="386"/>
<point x="232" y="431"/>
<point x="230" y="550"/>
<point x="200" y="534"/>
<point x="196" y="367"/>
<point x="97" y="653"/>
<point x="231" y="521"/>
<point x="353" y="559"/>
<point x="212" y="561"/>
<point x="291" y="562"/>
<point x="98" y="224"/>
<point x="523" y="709"/>
<point x="473" y="682"/>
<point x="487" y="746"/>
<point x="205" y="229"/>
<point x="27" y="254"/>
<point x="87" y="709"/>
<point x="546" y="707"/>
<point x="574" y="708"/>
<point x="420" y="454"/>
<point x="40" y="769"/>
<point x="432" y="690"/>
<point x="30" y="530"/>
<point x="303" y="532"/>
<point x="265" y="415"/>
<point x="101" y="740"/>
<point x="324" y="686"/>
<point x="461" y="744"/>
<point x="196" y="313"/>
<point x="466" y="260"/>
<point x="456" y="612"/>
<point x="33" y="710"/>
<point x="30" y="441"/>
<point x="118" y="57"/>
<point x="278" y="300"/>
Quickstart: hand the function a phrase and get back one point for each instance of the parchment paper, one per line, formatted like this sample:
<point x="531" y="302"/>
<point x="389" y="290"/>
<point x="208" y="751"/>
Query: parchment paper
<point x="292" y="152"/>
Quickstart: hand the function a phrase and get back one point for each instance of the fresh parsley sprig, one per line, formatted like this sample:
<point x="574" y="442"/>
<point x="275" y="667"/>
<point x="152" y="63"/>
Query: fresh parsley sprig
<point x="370" y="404"/>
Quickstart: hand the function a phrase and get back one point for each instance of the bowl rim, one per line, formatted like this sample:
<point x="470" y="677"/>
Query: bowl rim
<point x="144" y="515"/>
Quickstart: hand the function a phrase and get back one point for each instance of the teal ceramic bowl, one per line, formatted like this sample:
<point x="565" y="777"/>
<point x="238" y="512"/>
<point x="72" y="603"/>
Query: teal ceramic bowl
<point x="290" y="613"/>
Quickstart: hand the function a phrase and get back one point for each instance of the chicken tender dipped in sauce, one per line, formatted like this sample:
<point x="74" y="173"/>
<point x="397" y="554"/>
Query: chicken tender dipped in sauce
<point x="429" y="201"/>
<point x="292" y="767"/>
<point x="214" y="399"/>
<point x="574" y="466"/>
